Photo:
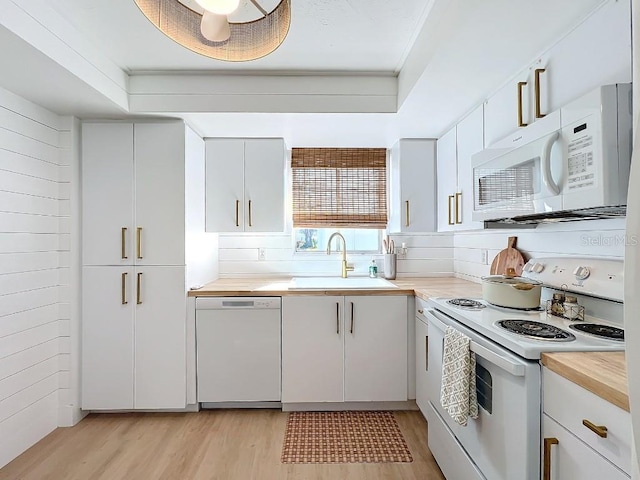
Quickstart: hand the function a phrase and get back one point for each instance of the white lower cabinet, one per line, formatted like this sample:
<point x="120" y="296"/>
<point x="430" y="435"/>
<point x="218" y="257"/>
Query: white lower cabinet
<point x="133" y="338"/>
<point x="575" y="445"/>
<point x="344" y="349"/>
<point x="422" y="364"/>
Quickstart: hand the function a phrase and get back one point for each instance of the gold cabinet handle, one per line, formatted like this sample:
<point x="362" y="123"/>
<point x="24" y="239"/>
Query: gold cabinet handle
<point x="546" y="474"/>
<point x="123" y="282"/>
<point x="599" y="430"/>
<point x="520" y="120"/>
<point x="138" y="296"/>
<point x="139" y="243"/>
<point x="338" y="318"/>
<point x="408" y="221"/>
<point x="351" y="318"/>
<point x="123" y="243"/>
<point x="537" y="72"/>
<point x="449" y="221"/>
<point x="237" y="213"/>
<point x="250" y="220"/>
<point x="458" y="203"/>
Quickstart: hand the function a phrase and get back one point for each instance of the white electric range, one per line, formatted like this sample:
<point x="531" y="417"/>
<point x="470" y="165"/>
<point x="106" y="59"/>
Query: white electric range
<point x="504" y="441"/>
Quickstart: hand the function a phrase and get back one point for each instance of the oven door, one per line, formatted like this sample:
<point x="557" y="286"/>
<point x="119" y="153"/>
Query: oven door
<point x="521" y="181"/>
<point x="503" y="442"/>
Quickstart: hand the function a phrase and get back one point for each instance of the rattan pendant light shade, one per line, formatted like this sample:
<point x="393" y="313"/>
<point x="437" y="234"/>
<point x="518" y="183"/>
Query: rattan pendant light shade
<point x="248" y="41"/>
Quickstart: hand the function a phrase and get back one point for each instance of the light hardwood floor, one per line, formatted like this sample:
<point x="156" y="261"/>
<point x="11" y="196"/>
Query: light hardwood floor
<point x="221" y="445"/>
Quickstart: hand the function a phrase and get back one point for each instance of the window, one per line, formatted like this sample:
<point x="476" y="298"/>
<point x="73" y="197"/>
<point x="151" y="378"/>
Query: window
<point x="361" y="240"/>
<point x="339" y="188"/>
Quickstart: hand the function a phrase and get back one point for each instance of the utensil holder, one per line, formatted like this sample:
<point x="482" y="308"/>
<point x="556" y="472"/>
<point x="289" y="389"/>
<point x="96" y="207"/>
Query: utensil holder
<point x="390" y="266"/>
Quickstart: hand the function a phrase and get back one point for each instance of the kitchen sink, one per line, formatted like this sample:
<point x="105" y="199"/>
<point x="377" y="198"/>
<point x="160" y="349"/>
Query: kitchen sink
<point x="338" y="283"/>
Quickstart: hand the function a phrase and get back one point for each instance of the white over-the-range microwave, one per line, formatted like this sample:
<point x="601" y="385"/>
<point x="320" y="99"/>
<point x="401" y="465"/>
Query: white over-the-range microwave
<point x="573" y="163"/>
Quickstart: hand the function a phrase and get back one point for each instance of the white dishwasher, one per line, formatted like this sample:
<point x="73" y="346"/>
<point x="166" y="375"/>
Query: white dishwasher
<point x="238" y="350"/>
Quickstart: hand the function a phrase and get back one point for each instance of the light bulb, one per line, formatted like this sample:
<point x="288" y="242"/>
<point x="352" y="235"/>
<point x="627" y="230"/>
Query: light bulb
<point x="220" y="7"/>
<point x="215" y="28"/>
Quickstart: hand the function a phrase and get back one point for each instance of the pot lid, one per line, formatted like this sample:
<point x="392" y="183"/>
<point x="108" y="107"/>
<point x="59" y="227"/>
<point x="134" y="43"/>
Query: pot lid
<point x="508" y="280"/>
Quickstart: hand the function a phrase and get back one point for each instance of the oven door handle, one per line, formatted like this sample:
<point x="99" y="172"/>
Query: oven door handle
<point x="515" y="369"/>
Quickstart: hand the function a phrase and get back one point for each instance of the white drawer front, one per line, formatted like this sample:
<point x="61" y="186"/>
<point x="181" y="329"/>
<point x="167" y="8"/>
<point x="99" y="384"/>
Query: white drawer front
<point x="569" y="404"/>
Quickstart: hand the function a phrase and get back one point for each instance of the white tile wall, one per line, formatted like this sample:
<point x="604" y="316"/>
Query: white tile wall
<point x="592" y="238"/>
<point x="34" y="264"/>
<point x="427" y="255"/>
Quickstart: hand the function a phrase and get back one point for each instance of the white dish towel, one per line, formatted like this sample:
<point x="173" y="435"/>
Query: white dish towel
<point x="458" y="394"/>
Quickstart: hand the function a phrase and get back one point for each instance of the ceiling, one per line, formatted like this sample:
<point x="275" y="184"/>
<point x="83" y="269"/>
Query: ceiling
<point x="446" y="56"/>
<point x="325" y="35"/>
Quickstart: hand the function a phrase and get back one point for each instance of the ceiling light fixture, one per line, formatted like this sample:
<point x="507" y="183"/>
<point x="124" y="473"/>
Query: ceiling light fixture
<point x="212" y="35"/>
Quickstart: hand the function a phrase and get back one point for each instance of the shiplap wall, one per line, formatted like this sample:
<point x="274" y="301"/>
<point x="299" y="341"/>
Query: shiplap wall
<point x="34" y="245"/>
<point x="427" y="255"/>
<point x="592" y="238"/>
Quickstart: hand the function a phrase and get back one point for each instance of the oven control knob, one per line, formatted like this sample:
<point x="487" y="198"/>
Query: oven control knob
<point x="528" y="267"/>
<point x="538" y="267"/>
<point x="582" y="273"/>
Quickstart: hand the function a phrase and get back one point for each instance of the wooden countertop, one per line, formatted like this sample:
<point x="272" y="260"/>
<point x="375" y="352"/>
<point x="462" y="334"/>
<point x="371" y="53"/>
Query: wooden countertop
<point x="278" y="286"/>
<point x="602" y="373"/>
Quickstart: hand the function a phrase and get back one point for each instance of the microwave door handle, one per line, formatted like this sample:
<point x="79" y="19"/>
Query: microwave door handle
<point x="546" y="164"/>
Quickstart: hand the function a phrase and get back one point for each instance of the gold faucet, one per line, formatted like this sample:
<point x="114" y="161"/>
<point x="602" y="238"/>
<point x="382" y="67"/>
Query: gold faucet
<point x="345" y="267"/>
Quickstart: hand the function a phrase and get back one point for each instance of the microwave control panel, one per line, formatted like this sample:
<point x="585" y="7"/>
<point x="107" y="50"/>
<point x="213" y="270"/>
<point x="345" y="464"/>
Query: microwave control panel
<point x="581" y="168"/>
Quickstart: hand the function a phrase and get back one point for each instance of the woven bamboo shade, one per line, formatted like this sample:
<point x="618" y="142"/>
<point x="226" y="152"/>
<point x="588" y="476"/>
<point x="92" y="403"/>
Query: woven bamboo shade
<point x="248" y="41"/>
<point x="339" y="187"/>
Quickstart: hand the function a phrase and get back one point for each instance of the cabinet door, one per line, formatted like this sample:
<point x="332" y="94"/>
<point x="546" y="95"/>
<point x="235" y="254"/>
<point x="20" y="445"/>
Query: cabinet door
<point x="312" y="349"/>
<point x="160" y="338"/>
<point x="107" y="338"/>
<point x="107" y="194"/>
<point x="160" y="194"/>
<point x="224" y="183"/>
<point x="264" y="185"/>
<point x="501" y="110"/>
<point x="375" y="359"/>
<point x="571" y="459"/>
<point x="470" y="132"/>
<point x="447" y="178"/>
<point x="416" y="210"/>
<point x="596" y="53"/>
<point x="422" y="366"/>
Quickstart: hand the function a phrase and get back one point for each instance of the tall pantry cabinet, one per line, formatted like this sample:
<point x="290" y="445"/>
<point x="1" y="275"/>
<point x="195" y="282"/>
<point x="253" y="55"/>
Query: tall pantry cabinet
<point x="135" y="196"/>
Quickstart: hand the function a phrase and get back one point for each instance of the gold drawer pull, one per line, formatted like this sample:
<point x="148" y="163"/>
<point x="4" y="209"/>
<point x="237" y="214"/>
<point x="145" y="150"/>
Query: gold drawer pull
<point x="449" y="221"/>
<point x="458" y="203"/>
<point x="599" y="430"/>
<point x="123" y="243"/>
<point x="124" y="288"/>
<point x="237" y="213"/>
<point x="139" y="242"/>
<point x="139" y="297"/>
<point x="520" y="120"/>
<point x="408" y="222"/>
<point x="546" y="474"/>
<point x="250" y="216"/>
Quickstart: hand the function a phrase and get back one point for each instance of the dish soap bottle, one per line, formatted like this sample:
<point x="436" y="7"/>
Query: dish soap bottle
<point x="373" y="269"/>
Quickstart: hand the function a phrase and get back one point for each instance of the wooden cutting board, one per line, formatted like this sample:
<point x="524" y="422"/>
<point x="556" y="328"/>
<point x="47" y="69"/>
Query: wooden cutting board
<point x="510" y="257"/>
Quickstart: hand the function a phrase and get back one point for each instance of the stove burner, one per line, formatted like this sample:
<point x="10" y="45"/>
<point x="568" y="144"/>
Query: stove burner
<point x="537" y="330"/>
<point x="466" y="303"/>
<point x="600" y="331"/>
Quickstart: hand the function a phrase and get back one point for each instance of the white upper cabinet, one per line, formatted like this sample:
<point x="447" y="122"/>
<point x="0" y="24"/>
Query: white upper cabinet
<point x="107" y="194"/>
<point x="245" y="185"/>
<point x="597" y="52"/>
<point x="413" y="189"/>
<point x="455" y="172"/>
<point x="133" y="191"/>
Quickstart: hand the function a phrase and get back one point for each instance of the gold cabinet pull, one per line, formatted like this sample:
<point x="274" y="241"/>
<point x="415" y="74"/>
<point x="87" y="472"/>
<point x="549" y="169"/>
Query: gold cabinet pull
<point x="237" y="213"/>
<point x="408" y="221"/>
<point x="138" y="296"/>
<point x="458" y="209"/>
<point x="338" y="318"/>
<point x="546" y="474"/>
<point x="520" y="120"/>
<point x="123" y="282"/>
<point x="449" y="221"/>
<point x="139" y="243"/>
<point x="426" y="353"/>
<point x="536" y="84"/>
<point x="351" y="318"/>
<point x="250" y="220"/>
<point x="123" y="243"/>
<point x="599" y="430"/>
